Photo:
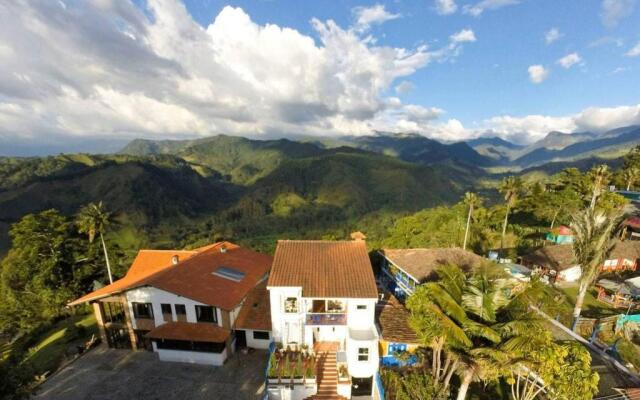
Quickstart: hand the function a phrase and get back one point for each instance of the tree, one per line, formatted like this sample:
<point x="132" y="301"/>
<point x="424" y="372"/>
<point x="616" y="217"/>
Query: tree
<point x="560" y="371"/>
<point x="599" y="175"/>
<point x="472" y="201"/>
<point x="510" y="188"/>
<point x="630" y="176"/>
<point x="594" y="232"/>
<point x="37" y="276"/>
<point x="469" y="327"/>
<point x="93" y="221"/>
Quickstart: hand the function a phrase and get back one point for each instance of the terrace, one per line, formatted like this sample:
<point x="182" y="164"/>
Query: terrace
<point x="326" y="312"/>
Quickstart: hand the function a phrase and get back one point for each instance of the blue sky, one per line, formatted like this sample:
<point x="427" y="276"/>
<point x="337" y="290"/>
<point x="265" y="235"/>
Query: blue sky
<point x="112" y="70"/>
<point x="490" y="77"/>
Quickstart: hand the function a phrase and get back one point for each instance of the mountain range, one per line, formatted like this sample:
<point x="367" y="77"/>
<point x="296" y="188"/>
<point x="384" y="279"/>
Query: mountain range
<point x="166" y="193"/>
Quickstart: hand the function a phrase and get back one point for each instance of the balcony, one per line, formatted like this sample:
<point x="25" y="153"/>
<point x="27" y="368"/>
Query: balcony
<point x="326" y="319"/>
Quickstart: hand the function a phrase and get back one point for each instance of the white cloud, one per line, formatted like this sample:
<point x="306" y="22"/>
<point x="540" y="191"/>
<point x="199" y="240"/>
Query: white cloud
<point x="109" y="69"/>
<point x="445" y="7"/>
<point x="404" y="87"/>
<point x="613" y="11"/>
<point x="634" y="51"/>
<point x="537" y="73"/>
<point x="607" y="40"/>
<point x="477" y="9"/>
<point x="569" y="60"/>
<point x="376" y="14"/>
<point x="552" y="35"/>
<point x="465" y="35"/>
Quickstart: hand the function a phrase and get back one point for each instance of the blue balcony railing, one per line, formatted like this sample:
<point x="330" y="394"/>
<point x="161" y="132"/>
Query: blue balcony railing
<point x="326" y="319"/>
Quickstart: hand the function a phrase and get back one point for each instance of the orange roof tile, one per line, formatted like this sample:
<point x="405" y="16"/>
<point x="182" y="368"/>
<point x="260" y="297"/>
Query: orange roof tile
<point x="191" y="331"/>
<point x="393" y="319"/>
<point x="193" y="277"/>
<point x="324" y="268"/>
<point x="255" y="313"/>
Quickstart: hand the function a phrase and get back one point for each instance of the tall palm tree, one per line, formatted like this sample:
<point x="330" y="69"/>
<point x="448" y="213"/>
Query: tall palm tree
<point x="93" y="220"/>
<point x="510" y="188"/>
<point x="594" y="233"/>
<point x="467" y="325"/>
<point x="600" y="176"/>
<point x="472" y="201"/>
<point x="630" y="176"/>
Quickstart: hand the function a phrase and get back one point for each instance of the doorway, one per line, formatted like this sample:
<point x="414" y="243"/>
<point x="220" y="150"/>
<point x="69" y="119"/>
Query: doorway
<point x="241" y="339"/>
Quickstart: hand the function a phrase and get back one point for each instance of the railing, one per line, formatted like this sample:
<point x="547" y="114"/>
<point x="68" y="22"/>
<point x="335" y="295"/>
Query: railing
<point x="326" y="319"/>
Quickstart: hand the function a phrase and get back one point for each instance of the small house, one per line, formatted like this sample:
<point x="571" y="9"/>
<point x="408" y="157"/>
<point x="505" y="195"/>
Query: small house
<point x="186" y="305"/>
<point x="398" y="341"/>
<point x="403" y="269"/>
<point x="560" y="235"/>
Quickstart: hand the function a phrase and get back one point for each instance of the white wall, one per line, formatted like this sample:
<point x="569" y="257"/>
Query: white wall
<point x="361" y="319"/>
<point x="279" y="318"/>
<point x="362" y="339"/>
<point x="191" y="357"/>
<point x="571" y="274"/>
<point x="257" y="343"/>
<point x="157" y="297"/>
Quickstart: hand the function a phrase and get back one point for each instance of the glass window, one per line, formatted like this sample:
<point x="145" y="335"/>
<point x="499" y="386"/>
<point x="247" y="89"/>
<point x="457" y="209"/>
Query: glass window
<point x="291" y="305"/>
<point x="166" y="308"/>
<point x="206" y="314"/>
<point x="334" y="306"/>
<point x="362" y="307"/>
<point x="363" y="354"/>
<point x="181" y="309"/>
<point x="261" y="335"/>
<point x="142" y="310"/>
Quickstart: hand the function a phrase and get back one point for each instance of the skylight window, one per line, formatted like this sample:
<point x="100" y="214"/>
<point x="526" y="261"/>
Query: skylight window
<point x="229" y="273"/>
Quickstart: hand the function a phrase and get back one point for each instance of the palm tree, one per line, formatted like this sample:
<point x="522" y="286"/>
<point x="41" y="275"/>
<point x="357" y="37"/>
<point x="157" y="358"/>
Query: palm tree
<point x="93" y="221"/>
<point x="630" y="176"/>
<point x="594" y="233"/>
<point x="600" y="176"/>
<point x="472" y="201"/>
<point x="468" y="323"/>
<point x="510" y="188"/>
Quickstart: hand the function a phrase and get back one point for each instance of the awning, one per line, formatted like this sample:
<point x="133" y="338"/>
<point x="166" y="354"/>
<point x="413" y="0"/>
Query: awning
<point x="190" y="331"/>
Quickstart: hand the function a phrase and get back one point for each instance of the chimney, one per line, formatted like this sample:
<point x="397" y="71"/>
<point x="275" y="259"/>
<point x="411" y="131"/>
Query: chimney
<point x="358" y="236"/>
<point x="175" y="259"/>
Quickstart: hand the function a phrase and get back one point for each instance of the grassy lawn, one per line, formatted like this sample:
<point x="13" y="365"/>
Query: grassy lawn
<point x="52" y="344"/>
<point x="592" y="308"/>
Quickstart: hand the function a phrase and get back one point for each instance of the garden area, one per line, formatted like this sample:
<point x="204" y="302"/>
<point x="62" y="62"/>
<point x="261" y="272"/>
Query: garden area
<point x="294" y="365"/>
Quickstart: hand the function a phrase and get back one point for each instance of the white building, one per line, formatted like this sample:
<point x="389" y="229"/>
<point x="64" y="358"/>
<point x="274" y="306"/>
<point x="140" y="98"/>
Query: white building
<point x="323" y="295"/>
<point x="190" y="306"/>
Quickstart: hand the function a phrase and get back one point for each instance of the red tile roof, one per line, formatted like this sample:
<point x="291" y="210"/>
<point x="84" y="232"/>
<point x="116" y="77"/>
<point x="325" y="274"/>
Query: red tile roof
<point x="336" y="269"/>
<point x="393" y="320"/>
<point x="255" y="313"/>
<point x="191" y="331"/>
<point x="193" y="277"/>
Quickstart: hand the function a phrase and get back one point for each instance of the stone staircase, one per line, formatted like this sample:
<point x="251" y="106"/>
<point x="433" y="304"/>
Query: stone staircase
<point x="327" y="373"/>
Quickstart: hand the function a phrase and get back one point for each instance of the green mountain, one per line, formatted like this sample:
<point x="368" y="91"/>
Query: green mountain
<point x="242" y="160"/>
<point x="414" y="148"/>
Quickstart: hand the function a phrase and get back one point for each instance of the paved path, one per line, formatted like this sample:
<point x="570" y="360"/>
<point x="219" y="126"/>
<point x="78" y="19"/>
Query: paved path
<point x="104" y="374"/>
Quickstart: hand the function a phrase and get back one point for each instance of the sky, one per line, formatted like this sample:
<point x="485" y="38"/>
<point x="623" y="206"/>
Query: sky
<point x="96" y="73"/>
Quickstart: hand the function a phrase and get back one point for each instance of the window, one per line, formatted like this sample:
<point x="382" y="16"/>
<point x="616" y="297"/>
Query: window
<point x="181" y="309"/>
<point x="113" y="312"/>
<point x="166" y="312"/>
<point x="261" y="335"/>
<point x="291" y="305"/>
<point x="206" y="314"/>
<point x="361" y="307"/>
<point x="142" y="310"/>
<point x="363" y="354"/>
<point x="334" y="306"/>
<point x="185" y="345"/>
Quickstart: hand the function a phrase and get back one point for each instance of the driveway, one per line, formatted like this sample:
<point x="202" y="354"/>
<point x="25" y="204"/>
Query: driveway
<point x="105" y="373"/>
